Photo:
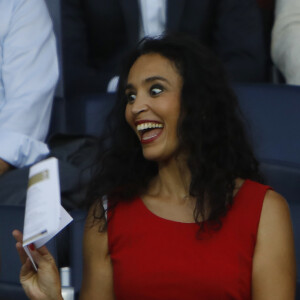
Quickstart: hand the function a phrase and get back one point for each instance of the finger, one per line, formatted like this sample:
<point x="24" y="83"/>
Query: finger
<point x="18" y="235"/>
<point x="42" y="257"/>
<point x="21" y="252"/>
<point x="43" y="251"/>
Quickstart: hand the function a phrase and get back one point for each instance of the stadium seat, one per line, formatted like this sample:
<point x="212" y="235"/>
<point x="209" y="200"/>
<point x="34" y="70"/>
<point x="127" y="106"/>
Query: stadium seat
<point x="76" y="234"/>
<point x="87" y="115"/>
<point x="272" y="119"/>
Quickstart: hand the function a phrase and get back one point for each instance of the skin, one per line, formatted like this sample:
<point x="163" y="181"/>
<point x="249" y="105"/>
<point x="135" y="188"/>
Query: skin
<point x="4" y="167"/>
<point x="150" y="98"/>
<point x="274" y="262"/>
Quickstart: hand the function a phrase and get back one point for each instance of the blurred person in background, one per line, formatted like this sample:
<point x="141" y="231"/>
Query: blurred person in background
<point x="28" y="76"/>
<point x="97" y="34"/>
<point x="285" y="47"/>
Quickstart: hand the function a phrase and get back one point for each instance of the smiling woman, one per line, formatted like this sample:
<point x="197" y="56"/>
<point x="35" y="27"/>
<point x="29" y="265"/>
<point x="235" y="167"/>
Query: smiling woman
<point x="187" y="216"/>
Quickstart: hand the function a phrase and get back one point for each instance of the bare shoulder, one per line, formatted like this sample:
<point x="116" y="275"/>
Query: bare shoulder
<point x="275" y="224"/>
<point x="275" y="205"/>
<point x="274" y="256"/>
<point x="275" y="221"/>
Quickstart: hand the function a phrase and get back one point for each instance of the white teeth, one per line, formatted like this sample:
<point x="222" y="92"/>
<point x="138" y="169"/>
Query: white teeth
<point x="148" y="125"/>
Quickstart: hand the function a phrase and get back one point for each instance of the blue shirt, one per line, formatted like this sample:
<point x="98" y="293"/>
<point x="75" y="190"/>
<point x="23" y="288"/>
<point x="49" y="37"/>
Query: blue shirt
<point x="28" y="76"/>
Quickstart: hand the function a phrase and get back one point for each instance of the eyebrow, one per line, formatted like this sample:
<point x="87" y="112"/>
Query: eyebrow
<point x="147" y="80"/>
<point x="153" y="78"/>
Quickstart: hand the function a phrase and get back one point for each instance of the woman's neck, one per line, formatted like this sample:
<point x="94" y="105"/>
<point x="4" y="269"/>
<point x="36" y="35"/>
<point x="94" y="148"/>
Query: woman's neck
<point x="173" y="180"/>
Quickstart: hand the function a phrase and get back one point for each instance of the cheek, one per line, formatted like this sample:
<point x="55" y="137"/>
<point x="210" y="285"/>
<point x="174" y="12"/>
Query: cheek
<point x="127" y="115"/>
<point x="129" y="119"/>
<point x="174" y="123"/>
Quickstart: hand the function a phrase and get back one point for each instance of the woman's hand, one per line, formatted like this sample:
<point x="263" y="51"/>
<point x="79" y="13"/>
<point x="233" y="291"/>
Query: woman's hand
<point x="43" y="284"/>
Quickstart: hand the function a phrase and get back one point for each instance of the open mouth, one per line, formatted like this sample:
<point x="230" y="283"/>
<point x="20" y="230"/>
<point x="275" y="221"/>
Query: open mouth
<point x="149" y="131"/>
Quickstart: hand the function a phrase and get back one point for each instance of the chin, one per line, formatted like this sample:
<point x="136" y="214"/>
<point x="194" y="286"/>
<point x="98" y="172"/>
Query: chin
<point x="152" y="157"/>
<point x="159" y="154"/>
<point x="155" y="156"/>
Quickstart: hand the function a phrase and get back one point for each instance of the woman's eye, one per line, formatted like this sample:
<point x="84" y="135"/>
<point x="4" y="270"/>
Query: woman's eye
<point x="156" y="90"/>
<point x="130" y="97"/>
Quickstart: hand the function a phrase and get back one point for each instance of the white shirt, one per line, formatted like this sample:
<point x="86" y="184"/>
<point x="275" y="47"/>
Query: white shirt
<point x="286" y="39"/>
<point x="153" y="21"/>
<point x="28" y="76"/>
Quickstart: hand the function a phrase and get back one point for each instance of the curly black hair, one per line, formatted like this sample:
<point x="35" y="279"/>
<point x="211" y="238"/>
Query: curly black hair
<point x="210" y="129"/>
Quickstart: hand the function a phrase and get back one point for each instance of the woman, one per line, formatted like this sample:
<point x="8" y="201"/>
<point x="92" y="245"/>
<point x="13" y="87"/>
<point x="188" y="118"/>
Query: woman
<point x="186" y="219"/>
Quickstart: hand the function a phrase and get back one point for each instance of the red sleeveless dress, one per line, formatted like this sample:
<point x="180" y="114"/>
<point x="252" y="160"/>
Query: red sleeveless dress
<point x="158" y="259"/>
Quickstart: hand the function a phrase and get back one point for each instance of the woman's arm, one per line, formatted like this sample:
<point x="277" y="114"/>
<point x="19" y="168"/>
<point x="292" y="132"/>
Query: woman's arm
<point x="97" y="281"/>
<point x="274" y="263"/>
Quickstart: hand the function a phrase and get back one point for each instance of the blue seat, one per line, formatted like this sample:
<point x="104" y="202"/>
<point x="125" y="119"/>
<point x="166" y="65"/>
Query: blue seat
<point x="76" y="235"/>
<point x="272" y="120"/>
<point x="87" y="115"/>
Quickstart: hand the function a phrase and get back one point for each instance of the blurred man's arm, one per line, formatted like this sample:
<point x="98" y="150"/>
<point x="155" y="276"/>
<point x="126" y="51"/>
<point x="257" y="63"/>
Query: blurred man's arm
<point x="286" y="40"/>
<point x="29" y="73"/>
<point x="4" y="167"/>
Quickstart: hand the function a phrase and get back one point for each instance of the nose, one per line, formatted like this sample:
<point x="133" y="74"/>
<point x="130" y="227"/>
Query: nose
<point x="139" y="105"/>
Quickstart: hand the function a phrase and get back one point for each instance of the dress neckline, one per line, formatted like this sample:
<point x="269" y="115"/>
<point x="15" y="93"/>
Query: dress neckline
<point x="153" y="215"/>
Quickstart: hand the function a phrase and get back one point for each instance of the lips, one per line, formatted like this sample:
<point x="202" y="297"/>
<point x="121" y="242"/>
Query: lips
<point x="149" y="130"/>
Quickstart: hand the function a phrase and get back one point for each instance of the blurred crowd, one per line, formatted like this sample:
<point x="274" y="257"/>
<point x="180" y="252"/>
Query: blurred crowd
<point x="257" y="41"/>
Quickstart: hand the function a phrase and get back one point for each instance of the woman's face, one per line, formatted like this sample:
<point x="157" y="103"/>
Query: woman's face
<point x="153" y="105"/>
